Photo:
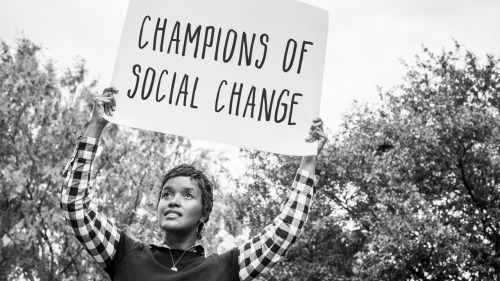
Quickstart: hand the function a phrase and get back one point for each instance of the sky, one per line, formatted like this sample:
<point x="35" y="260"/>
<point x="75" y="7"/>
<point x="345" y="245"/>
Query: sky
<point x="366" y="39"/>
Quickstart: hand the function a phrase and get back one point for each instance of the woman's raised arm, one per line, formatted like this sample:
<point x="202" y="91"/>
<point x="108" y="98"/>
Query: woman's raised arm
<point x="264" y="250"/>
<point x="93" y="229"/>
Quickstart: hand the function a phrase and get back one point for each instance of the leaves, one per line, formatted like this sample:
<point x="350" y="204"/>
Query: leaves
<point x="427" y="199"/>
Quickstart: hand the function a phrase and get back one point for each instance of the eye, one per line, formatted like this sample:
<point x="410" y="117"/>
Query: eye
<point x="189" y="195"/>
<point x="166" y="194"/>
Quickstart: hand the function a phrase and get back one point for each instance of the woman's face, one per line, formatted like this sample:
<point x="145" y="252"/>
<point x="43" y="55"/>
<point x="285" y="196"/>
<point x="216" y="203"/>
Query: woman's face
<point x="180" y="206"/>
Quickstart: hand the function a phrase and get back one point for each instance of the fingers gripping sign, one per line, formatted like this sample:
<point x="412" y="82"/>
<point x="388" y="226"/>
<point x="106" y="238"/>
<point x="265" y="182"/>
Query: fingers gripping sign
<point x="316" y="133"/>
<point x="104" y="104"/>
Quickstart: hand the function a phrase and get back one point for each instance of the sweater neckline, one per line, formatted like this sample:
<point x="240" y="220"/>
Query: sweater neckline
<point x="198" y="248"/>
<point x="174" y="251"/>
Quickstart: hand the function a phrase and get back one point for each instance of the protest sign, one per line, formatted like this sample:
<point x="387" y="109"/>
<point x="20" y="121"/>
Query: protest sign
<point x="245" y="73"/>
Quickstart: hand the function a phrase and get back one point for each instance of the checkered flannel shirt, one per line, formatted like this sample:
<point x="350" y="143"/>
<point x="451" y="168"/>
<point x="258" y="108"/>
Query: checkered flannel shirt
<point x="100" y="237"/>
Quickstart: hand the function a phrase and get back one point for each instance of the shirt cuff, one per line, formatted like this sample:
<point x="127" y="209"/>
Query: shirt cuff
<point x="309" y="175"/>
<point x="86" y="147"/>
<point x="306" y="180"/>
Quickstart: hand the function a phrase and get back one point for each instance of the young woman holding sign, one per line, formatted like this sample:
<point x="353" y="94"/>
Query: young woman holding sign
<point x="185" y="200"/>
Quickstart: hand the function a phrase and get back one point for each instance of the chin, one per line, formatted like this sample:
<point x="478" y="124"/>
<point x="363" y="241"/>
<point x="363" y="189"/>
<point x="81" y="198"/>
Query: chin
<point x="171" y="226"/>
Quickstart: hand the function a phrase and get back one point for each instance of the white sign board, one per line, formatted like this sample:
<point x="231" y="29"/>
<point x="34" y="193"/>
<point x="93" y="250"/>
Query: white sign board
<point x="240" y="72"/>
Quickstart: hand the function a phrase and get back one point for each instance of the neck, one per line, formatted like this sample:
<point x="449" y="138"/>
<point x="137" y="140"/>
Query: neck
<point x="179" y="242"/>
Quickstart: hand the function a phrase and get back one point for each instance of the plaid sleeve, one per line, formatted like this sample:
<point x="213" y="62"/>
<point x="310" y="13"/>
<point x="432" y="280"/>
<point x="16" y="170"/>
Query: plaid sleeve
<point x="263" y="251"/>
<point x="92" y="228"/>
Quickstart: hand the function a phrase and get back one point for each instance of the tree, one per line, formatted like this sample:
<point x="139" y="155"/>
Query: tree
<point x="416" y="177"/>
<point x="35" y="128"/>
<point x="40" y="117"/>
<point x="425" y="170"/>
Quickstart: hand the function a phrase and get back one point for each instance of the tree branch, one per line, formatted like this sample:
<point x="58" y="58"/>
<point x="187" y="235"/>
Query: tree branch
<point x="146" y="172"/>
<point x="345" y="207"/>
<point x="73" y="261"/>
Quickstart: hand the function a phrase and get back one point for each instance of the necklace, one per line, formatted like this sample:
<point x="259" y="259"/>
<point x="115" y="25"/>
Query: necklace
<point x="174" y="263"/>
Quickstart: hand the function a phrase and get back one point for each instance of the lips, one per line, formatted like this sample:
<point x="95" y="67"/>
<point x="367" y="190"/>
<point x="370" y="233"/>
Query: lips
<point x="172" y="214"/>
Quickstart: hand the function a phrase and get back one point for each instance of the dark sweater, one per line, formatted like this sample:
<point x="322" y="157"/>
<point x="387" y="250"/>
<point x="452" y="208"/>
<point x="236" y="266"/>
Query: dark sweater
<point x="138" y="261"/>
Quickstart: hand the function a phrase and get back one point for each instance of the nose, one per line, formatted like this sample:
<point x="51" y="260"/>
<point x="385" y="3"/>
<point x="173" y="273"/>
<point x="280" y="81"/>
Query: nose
<point x="173" y="203"/>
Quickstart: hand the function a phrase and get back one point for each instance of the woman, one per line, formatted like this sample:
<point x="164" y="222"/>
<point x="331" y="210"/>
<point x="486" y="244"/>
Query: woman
<point x="184" y="205"/>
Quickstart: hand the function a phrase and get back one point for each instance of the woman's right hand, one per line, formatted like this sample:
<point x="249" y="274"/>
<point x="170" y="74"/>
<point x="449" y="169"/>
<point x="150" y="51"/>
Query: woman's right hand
<point x="104" y="104"/>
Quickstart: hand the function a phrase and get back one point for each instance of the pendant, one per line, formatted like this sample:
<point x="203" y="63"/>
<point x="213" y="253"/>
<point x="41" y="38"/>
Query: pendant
<point x="174" y="268"/>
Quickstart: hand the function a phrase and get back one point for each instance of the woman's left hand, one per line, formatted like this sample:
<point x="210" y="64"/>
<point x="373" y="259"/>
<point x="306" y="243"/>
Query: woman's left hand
<point x="316" y="134"/>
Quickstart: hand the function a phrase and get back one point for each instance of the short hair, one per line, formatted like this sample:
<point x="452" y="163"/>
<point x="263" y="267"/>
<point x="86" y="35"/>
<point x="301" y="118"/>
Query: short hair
<point x="186" y="170"/>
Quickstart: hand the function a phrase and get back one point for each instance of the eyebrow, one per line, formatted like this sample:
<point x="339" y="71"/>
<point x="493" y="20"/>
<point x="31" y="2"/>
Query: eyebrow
<point x="185" y="188"/>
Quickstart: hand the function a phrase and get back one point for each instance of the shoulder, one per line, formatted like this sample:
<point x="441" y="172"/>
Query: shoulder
<point x="229" y="259"/>
<point x="128" y="243"/>
<point x="125" y="245"/>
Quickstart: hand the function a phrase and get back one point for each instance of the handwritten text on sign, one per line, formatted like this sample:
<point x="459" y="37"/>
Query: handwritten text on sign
<point x="245" y="73"/>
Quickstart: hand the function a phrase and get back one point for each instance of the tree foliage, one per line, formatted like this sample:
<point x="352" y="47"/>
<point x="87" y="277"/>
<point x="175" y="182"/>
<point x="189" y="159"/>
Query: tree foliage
<point x="41" y="114"/>
<point x="410" y="187"/>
